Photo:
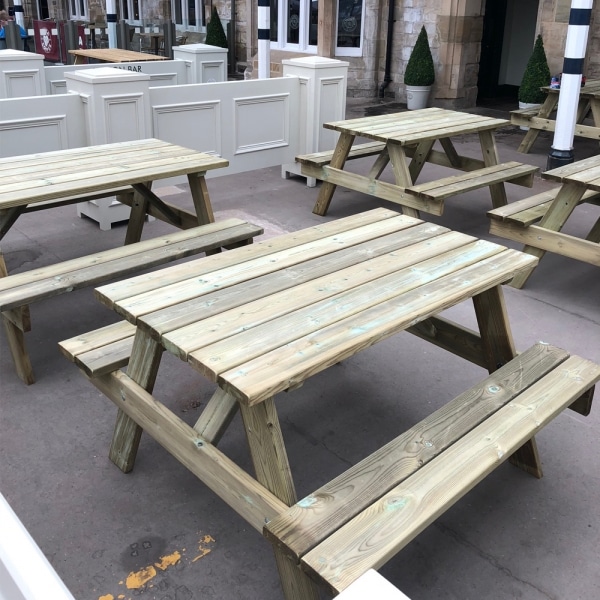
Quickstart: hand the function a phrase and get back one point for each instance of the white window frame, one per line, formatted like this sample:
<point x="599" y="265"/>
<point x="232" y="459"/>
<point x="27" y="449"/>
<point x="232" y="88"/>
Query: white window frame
<point x="344" y="50"/>
<point x="76" y="15"/>
<point x="185" y="17"/>
<point x="303" y="33"/>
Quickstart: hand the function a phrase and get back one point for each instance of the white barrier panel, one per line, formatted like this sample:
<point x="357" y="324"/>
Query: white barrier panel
<point x="25" y="573"/>
<point x="253" y="124"/>
<point x="41" y="124"/>
<point x="164" y="72"/>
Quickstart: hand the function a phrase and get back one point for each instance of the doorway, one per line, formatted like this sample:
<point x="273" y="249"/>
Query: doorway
<point x="509" y="28"/>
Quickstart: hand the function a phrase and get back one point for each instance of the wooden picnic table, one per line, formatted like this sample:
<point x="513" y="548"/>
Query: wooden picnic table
<point x="44" y="180"/>
<point x="126" y="170"/>
<point x="540" y="118"/>
<point x="537" y="222"/>
<point x="264" y="318"/>
<point x="112" y="55"/>
<point x="412" y="134"/>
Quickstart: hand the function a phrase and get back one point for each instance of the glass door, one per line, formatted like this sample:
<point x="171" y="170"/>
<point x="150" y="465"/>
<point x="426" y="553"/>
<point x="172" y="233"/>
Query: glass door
<point x="294" y="25"/>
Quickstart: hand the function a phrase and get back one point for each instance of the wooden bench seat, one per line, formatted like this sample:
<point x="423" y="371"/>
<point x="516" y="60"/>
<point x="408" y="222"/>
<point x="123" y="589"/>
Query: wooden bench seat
<point x="522" y="222"/>
<point x="321" y="159"/>
<point x="18" y="290"/>
<point x="363" y="517"/>
<point x="440" y="189"/>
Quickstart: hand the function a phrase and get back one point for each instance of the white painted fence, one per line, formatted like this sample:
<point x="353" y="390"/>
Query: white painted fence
<point x="252" y="123"/>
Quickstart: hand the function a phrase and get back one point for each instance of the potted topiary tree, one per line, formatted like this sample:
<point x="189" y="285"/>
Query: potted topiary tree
<point x="215" y="34"/>
<point x="420" y="73"/>
<point x="536" y="76"/>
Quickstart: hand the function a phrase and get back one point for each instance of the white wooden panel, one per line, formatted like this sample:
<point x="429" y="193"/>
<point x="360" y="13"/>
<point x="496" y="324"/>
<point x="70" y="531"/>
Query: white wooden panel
<point x="21" y="84"/>
<point x="331" y="104"/>
<point x="184" y="124"/>
<point x="33" y="135"/>
<point x="124" y="117"/>
<point x="41" y="123"/>
<point x="253" y="124"/>
<point x="271" y="114"/>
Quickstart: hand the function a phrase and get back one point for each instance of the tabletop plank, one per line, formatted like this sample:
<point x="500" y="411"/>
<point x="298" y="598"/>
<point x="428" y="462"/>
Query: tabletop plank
<point x="283" y="297"/>
<point x="258" y="379"/>
<point x="387" y="283"/>
<point x="141" y="295"/>
<point x="184" y="316"/>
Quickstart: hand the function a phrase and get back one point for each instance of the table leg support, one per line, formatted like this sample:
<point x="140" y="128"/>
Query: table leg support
<point x="401" y="174"/>
<point x="338" y="160"/>
<point x="201" y="198"/>
<point x="499" y="348"/>
<point x="142" y="368"/>
<point x="217" y="416"/>
<point x="490" y="158"/>
<point x="556" y="216"/>
<point x="272" y="468"/>
<point x="139" y="208"/>
<point x="16" y="323"/>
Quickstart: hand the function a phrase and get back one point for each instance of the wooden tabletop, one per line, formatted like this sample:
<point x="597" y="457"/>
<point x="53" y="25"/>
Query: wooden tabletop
<point x="586" y="172"/>
<point x="591" y="88"/>
<point x="34" y="178"/>
<point x="413" y="126"/>
<point x="115" y="55"/>
<point x="263" y="318"/>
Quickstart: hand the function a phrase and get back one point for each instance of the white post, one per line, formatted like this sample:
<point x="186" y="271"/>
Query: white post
<point x="264" y="39"/>
<point x="111" y="20"/>
<point x="323" y="85"/>
<point x="19" y="15"/>
<point x="570" y="84"/>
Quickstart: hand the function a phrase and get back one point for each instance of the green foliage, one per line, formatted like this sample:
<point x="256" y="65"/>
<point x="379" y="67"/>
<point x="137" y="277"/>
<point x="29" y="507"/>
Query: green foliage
<point x="420" y="69"/>
<point x="537" y="75"/>
<point x="215" y="34"/>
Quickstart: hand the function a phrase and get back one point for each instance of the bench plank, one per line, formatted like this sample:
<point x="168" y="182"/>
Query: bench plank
<point x="357" y="151"/>
<point x="385" y="527"/>
<point x="321" y="513"/>
<point x="23" y="288"/>
<point x="472" y="180"/>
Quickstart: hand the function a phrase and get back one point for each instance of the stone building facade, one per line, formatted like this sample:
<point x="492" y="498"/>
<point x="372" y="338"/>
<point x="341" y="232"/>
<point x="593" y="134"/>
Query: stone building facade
<point x="357" y="31"/>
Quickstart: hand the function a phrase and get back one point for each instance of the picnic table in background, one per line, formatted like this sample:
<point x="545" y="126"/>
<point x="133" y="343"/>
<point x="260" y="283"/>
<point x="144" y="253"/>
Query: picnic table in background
<point x="112" y="55"/>
<point x="398" y="137"/>
<point x="537" y="221"/>
<point x="539" y="118"/>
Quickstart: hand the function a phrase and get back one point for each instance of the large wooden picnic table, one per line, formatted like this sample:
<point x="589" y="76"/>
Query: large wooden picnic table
<point x="398" y="137"/>
<point x="264" y="318"/>
<point x="540" y="118"/>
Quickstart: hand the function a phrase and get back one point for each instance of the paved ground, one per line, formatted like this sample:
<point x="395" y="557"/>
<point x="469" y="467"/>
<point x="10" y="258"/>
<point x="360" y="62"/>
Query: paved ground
<point x="511" y="537"/>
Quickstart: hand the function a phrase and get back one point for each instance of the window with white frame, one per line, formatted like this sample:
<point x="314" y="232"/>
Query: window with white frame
<point x="294" y="25"/>
<point x="79" y="9"/>
<point x="129" y="10"/>
<point x="349" y="31"/>
<point x="188" y="13"/>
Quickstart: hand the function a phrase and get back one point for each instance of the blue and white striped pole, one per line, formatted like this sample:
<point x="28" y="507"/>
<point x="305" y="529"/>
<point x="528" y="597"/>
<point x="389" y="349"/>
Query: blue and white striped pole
<point x="19" y="14"/>
<point x="111" y="21"/>
<point x="264" y="39"/>
<point x="570" y="84"/>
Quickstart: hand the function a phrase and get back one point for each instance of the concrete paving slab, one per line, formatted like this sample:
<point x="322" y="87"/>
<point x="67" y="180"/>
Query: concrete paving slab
<point x="105" y="532"/>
